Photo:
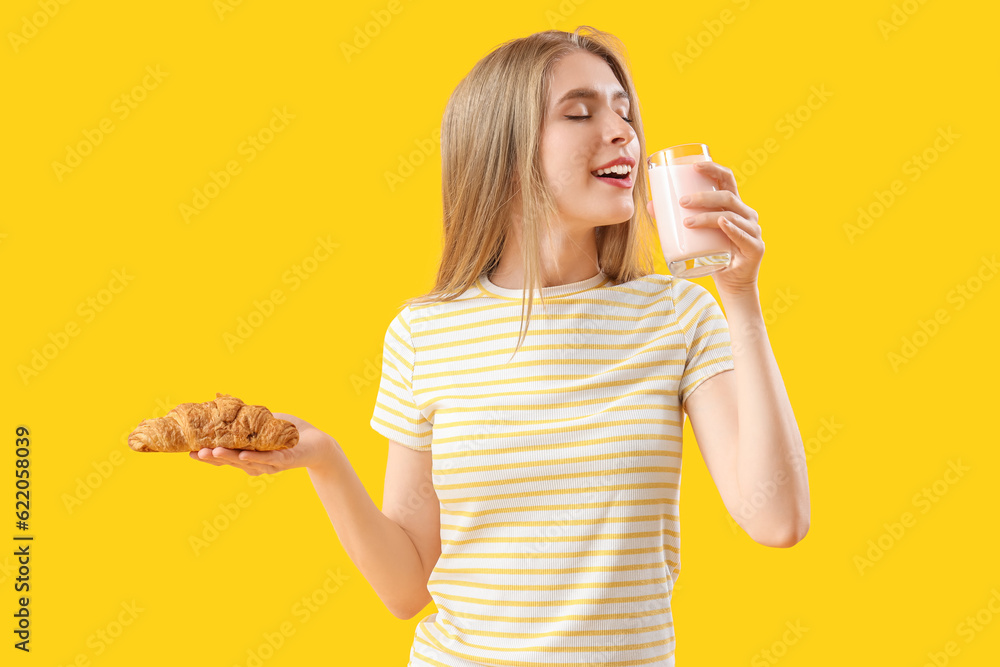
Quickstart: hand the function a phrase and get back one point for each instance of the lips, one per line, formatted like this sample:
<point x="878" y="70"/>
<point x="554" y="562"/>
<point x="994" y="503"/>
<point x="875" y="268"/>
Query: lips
<point x="618" y="182"/>
<point x="624" y="159"/>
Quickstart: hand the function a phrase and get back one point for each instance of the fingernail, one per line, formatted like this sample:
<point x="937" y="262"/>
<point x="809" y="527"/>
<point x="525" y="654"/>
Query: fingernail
<point x="688" y="221"/>
<point x="684" y="200"/>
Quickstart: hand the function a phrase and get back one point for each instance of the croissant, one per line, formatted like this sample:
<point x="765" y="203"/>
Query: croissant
<point x="224" y="422"/>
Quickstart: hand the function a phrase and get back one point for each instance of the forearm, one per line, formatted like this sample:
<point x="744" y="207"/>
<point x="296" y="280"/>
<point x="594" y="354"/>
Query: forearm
<point x="379" y="547"/>
<point x="770" y="462"/>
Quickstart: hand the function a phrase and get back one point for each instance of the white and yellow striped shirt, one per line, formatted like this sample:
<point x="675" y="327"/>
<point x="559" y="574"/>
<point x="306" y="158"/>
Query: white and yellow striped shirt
<point x="558" y="472"/>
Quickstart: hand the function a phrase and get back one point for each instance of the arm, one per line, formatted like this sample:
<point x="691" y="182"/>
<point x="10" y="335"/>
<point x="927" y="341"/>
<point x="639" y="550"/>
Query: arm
<point x="746" y="431"/>
<point x="395" y="548"/>
<point x="742" y="417"/>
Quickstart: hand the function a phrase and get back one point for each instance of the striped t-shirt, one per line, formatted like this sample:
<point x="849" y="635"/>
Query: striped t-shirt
<point x="558" y="473"/>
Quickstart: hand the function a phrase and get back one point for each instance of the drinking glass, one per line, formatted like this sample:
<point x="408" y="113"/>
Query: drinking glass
<point x="690" y="251"/>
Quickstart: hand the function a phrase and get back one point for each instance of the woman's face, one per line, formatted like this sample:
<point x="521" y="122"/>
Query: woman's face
<point x="573" y="148"/>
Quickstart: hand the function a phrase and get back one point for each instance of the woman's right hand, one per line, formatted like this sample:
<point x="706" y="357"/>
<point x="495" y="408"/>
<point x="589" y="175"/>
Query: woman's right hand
<point x="311" y="451"/>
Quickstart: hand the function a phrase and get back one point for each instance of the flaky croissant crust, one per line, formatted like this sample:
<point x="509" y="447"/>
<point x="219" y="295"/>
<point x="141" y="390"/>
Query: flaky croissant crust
<point x="224" y="422"/>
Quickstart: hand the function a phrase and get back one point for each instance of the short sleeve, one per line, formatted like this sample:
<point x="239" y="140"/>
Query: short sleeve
<point x="396" y="414"/>
<point x="706" y="335"/>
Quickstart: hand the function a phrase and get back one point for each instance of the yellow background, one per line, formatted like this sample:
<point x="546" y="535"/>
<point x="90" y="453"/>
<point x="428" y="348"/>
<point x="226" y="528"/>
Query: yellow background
<point x="837" y="307"/>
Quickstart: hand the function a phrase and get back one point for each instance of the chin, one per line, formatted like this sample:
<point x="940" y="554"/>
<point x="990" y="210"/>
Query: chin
<point x="610" y="219"/>
<point x="601" y="213"/>
<point x="617" y="214"/>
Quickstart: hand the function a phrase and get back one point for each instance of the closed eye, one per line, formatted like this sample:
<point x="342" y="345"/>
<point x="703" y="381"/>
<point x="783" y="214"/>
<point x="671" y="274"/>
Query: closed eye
<point x="627" y="120"/>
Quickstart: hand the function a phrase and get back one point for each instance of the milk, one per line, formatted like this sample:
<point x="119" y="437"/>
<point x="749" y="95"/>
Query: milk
<point x="689" y="251"/>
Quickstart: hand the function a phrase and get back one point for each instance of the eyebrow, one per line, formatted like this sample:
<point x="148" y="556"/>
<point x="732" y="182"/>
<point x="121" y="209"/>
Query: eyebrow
<point x="590" y="93"/>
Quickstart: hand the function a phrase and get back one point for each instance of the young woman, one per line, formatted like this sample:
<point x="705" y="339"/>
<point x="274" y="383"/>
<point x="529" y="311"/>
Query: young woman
<point x="534" y="463"/>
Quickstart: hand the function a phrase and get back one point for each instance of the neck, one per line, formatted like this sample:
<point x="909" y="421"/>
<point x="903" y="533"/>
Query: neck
<point x="566" y="257"/>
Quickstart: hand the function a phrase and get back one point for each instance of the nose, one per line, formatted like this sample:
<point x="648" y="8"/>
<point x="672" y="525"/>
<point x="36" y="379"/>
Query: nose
<point x="617" y="131"/>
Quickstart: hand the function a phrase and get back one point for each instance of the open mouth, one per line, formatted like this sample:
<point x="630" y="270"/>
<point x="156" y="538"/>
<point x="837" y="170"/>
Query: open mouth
<point x="620" y="176"/>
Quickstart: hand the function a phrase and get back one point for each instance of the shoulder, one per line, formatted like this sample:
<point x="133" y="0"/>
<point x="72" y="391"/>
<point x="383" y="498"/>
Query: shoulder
<point x="653" y="289"/>
<point x="687" y="293"/>
<point x="419" y="313"/>
<point x="651" y="284"/>
<point x="400" y="322"/>
<point x="683" y="298"/>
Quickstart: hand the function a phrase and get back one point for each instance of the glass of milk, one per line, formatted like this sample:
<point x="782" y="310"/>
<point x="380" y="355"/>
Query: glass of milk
<point x="690" y="251"/>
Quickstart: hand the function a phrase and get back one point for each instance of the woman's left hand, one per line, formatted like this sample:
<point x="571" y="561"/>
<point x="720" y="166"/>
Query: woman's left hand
<point x="722" y="206"/>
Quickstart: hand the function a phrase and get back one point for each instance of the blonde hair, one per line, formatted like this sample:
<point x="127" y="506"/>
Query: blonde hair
<point x="490" y="137"/>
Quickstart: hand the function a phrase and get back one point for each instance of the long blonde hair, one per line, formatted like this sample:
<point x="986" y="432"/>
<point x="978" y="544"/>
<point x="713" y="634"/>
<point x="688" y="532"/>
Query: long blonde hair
<point x="490" y="137"/>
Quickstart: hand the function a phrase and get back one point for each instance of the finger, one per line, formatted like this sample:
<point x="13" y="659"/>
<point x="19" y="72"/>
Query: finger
<point x="300" y="424"/>
<point x="713" y="219"/>
<point x="230" y="457"/>
<point x="271" y="459"/>
<point x="206" y="457"/>
<point x="255" y="466"/>
<point x="722" y="175"/>
<point x="728" y="216"/>
<point x="224" y="453"/>
<point x="748" y="227"/>
<point x="736" y="230"/>
<point x="720" y="200"/>
<point x="218" y="457"/>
